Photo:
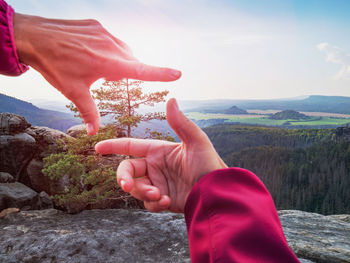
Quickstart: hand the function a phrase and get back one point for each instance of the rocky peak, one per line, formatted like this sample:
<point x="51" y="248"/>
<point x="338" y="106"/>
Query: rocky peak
<point x="11" y="124"/>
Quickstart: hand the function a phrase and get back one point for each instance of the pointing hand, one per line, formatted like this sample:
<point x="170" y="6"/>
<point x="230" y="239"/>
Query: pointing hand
<point x="72" y="54"/>
<point x="165" y="172"/>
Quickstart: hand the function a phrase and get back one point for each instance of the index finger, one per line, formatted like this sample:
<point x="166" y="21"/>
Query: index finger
<point x="141" y="71"/>
<point x="125" y="146"/>
<point x="81" y="97"/>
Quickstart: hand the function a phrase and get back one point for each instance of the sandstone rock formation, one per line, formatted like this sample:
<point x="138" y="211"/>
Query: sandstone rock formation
<point x="11" y="123"/>
<point x="47" y="141"/>
<point x="16" y="147"/>
<point x="118" y="235"/>
<point x="16" y="151"/>
<point x="22" y="149"/>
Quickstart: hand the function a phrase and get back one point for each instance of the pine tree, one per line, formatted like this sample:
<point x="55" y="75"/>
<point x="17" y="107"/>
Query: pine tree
<point x="121" y="100"/>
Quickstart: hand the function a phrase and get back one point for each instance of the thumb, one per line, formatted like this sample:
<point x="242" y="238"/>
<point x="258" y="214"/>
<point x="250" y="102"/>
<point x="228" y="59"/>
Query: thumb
<point x="140" y="71"/>
<point x="88" y="111"/>
<point x="186" y="129"/>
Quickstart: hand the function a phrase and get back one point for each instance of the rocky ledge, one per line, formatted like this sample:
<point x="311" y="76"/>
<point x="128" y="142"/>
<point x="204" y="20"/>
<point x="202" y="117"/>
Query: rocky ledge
<point x="319" y="238"/>
<point x="118" y="235"/>
<point x="93" y="236"/>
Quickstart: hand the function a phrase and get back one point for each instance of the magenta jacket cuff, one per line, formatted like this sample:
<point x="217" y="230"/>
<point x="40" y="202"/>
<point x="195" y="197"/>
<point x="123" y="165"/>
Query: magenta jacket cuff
<point x="231" y="217"/>
<point x="9" y="62"/>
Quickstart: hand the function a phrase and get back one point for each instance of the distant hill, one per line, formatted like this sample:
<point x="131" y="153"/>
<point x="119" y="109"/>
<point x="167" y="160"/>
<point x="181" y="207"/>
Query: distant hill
<point x="313" y="103"/>
<point x="235" y="110"/>
<point x="54" y="105"/>
<point x="288" y="114"/>
<point x="37" y="116"/>
<point x="231" y="110"/>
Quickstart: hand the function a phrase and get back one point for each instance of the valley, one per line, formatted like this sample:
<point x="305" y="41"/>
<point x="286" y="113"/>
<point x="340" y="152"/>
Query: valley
<point x="261" y="117"/>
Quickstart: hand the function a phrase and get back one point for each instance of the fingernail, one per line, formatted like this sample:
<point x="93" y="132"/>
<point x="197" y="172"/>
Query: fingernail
<point x="122" y="184"/>
<point x="175" y="74"/>
<point x="89" y="128"/>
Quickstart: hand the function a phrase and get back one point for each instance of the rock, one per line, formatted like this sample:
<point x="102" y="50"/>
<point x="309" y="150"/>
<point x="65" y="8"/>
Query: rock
<point x="22" y="154"/>
<point x="11" y="124"/>
<point x="45" y="201"/>
<point x="75" y="130"/>
<point x="6" y="178"/>
<point x="8" y="211"/>
<point x="93" y="236"/>
<point x="18" y="195"/>
<point x="319" y="238"/>
<point x="139" y="236"/>
<point x="15" y="153"/>
<point x="302" y="260"/>
<point x="39" y="182"/>
<point x="345" y="218"/>
<point x="48" y="142"/>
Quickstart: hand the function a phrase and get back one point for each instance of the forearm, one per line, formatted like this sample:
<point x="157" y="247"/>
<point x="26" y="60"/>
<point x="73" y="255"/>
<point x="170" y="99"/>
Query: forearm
<point x="231" y="217"/>
<point x="9" y="63"/>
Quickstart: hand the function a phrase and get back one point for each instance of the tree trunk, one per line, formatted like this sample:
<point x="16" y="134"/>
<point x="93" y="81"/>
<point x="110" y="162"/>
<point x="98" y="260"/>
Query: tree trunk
<point x="129" y="106"/>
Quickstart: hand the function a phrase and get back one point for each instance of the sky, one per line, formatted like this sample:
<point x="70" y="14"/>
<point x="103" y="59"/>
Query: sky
<point x="226" y="49"/>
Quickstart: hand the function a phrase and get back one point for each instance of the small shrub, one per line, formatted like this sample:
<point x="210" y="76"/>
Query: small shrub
<point x="88" y="178"/>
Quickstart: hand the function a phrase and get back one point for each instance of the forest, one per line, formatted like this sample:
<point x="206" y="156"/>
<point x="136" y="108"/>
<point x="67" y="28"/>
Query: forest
<point x="304" y="169"/>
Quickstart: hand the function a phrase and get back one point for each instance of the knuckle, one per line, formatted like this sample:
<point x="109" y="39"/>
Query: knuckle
<point x="124" y="164"/>
<point x="94" y="22"/>
<point x="139" y="69"/>
<point x="127" y="147"/>
<point x="87" y="111"/>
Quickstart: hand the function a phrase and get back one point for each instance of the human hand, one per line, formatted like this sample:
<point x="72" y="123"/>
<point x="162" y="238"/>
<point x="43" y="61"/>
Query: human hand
<point x="72" y="54"/>
<point x="166" y="172"/>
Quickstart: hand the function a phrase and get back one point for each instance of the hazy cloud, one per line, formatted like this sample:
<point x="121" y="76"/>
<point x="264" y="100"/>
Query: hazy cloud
<point x="338" y="56"/>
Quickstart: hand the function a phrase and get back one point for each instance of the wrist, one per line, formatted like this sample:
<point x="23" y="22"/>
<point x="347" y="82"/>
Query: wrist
<point x="24" y="27"/>
<point x="9" y="64"/>
<point x="216" y="164"/>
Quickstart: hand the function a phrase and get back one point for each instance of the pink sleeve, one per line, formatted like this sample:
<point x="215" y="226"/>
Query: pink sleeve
<point x="9" y="62"/>
<point x="231" y="217"/>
